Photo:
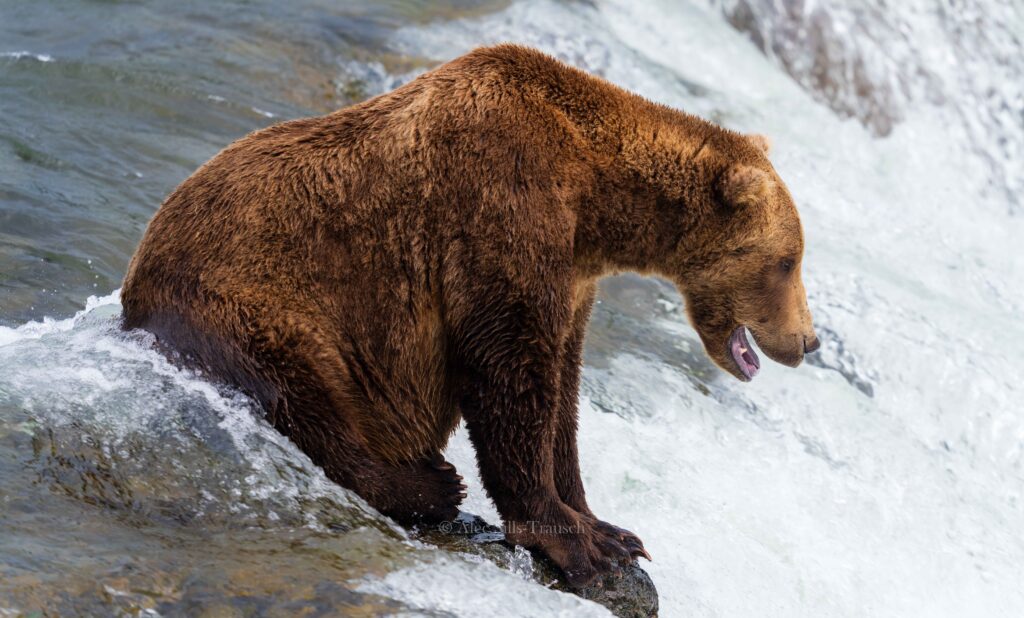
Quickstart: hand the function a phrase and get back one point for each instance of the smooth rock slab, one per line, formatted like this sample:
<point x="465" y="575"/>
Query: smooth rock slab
<point x="629" y="595"/>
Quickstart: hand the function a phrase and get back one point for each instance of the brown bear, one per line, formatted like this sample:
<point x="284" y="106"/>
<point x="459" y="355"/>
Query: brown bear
<point x="375" y="275"/>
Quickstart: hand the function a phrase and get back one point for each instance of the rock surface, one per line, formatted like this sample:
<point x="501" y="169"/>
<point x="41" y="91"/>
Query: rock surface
<point x="629" y="595"/>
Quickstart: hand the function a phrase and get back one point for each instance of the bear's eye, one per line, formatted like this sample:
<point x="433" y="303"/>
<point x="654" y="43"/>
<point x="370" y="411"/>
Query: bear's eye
<point x="786" y="265"/>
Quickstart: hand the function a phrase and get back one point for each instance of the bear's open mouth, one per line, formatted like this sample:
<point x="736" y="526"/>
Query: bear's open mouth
<point x="743" y="354"/>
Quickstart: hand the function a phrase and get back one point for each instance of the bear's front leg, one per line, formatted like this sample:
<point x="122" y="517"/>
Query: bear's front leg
<point x="567" y="467"/>
<point x="568" y="480"/>
<point x="509" y="346"/>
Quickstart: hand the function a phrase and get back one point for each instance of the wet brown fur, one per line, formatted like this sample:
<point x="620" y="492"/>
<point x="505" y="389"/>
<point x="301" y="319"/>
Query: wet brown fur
<point x="376" y="274"/>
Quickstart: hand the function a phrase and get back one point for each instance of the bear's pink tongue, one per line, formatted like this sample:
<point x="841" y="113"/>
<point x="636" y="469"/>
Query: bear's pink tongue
<point x="743" y="354"/>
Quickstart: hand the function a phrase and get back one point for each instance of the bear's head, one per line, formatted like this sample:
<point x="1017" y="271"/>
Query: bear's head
<point x="744" y="272"/>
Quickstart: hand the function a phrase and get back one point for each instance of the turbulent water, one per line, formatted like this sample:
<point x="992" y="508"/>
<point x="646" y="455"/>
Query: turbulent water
<point x="885" y="477"/>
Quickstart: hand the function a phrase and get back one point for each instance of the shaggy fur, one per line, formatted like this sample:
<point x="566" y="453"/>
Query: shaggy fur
<point x="376" y="274"/>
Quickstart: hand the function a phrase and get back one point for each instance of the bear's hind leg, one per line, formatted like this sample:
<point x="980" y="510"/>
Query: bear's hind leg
<point x="424" y="491"/>
<point x="428" y="490"/>
<point x="307" y="399"/>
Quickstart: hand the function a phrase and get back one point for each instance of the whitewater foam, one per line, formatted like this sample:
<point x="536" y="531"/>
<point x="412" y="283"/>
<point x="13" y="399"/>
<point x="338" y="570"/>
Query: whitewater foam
<point x="885" y="477"/>
<point x="18" y="55"/>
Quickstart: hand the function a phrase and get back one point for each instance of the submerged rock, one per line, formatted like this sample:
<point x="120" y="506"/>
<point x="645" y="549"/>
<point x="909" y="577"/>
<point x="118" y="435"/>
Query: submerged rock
<point x="629" y="595"/>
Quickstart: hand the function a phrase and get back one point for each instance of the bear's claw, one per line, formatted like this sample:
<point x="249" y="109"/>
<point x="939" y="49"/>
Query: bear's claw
<point x="631" y="541"/>
<point x="583" y="547"/>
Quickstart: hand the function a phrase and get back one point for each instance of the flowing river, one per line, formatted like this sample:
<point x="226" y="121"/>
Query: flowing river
<point x="884" y="477"/>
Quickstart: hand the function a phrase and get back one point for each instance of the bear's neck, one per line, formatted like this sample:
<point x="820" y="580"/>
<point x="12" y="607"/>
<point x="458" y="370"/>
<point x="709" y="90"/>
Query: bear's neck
<point x="654" y="170"/>
<point x="643" y="173"/>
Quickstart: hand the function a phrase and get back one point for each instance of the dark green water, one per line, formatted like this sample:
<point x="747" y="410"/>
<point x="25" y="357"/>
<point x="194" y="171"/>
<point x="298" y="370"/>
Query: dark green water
<point x="132" y="97"/>
<point x="144" y="502"/>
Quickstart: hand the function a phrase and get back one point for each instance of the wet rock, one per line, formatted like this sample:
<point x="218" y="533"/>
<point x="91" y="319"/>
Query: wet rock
<point x="630" y="594"/>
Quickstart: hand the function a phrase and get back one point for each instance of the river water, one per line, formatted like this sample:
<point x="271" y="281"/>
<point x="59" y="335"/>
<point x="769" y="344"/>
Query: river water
<point x="885" y="477"/>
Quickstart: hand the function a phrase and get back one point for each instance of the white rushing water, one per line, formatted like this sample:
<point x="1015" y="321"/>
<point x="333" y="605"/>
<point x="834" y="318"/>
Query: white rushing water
<point x="884" y="479"/>
<point x="888" y="479"/>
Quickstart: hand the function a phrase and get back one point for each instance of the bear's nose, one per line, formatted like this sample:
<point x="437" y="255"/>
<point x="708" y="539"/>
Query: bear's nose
<point x="812" y="345"/>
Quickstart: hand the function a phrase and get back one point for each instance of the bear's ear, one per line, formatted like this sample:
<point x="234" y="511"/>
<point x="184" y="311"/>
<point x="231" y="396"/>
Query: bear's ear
<point x="745" y="184"/>
<point x="761" y="142"/>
